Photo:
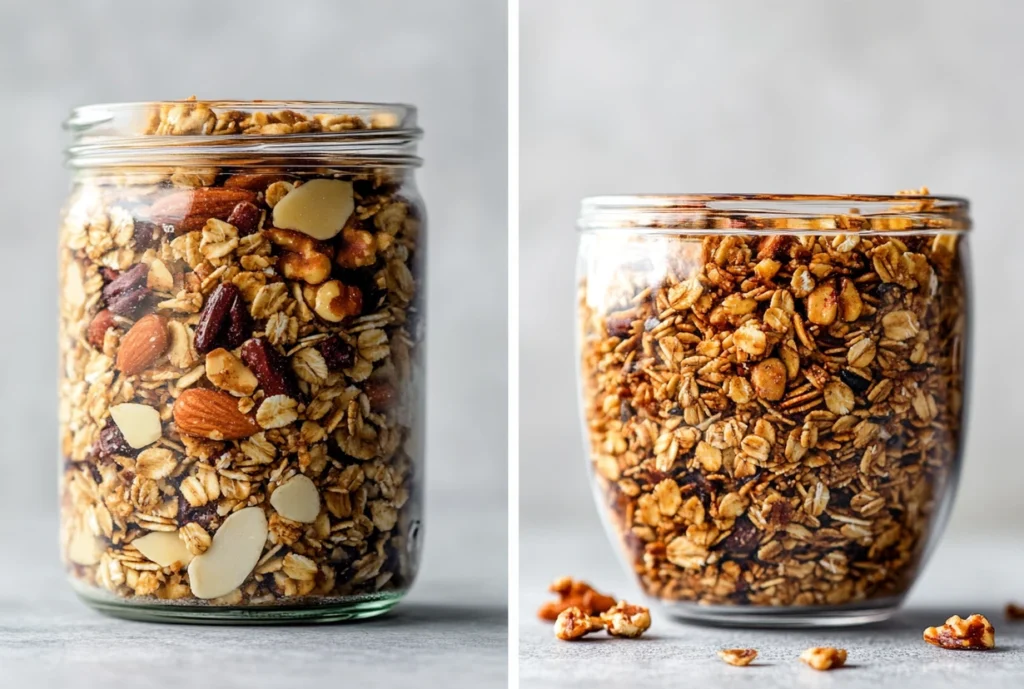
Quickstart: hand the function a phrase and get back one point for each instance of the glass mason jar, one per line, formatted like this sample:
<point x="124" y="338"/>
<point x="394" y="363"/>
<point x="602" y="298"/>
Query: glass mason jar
<point x="773" y="395"/>
<point x="241" y="399"/>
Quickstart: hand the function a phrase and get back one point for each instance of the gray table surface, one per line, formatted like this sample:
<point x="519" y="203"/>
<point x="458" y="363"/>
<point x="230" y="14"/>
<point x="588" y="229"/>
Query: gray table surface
<point x="963" y="577"/>
<point x="451" y="630"/>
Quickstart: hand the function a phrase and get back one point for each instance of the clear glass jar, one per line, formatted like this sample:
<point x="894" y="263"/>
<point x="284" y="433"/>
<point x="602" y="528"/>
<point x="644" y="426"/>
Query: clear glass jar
<point x="241" y="398"/>
<point x="773" y="395"/>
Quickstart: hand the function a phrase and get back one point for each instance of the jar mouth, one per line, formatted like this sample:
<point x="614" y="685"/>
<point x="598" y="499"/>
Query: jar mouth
<point x="918" y="212"/>
<point x="282" y="132"/>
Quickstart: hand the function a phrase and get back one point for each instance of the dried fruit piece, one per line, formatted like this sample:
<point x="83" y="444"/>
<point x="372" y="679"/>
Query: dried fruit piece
<point x="337" y="353"/>
<point x="98" y="327"/>
<point x="381" y="394"/>
<point x="127" y="294"/>
<point x="211" y="414"/>
<point x="139" y="423"/>
<point x="142" y="345"/>
<point x="573" y="593"/>
<point x="164" y="548"/>
<point x="824" y="657"/>
<point x="271" y="368"/>
<point x="297" y="499"/>
<point x="232" y="555"/>
<point x="572" y="623"/>
<point x="319" y="208"/>
<point x="239" y="324"/>
<point x="972" y="634"/>
<point x="1014" y="612"/>
<point x="189" y="210"/>
<point x="245" y="217"/>
<point x="228" y="373"/>
<point x="627" y="620"/>
<point x="112" y="441"/>
<point x="214" y="316"/>
<point x="740" y="657"/>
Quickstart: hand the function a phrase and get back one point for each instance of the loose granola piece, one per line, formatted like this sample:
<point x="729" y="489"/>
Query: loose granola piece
<point x="739" y="657"/>
<point x="572" y="623"/>
<point x="1014" y="612"/>
<point x="972" y="634"/>
<point x="627" y="620"/>
<point x="574" y="594"/>
<point x="824" y="657"/>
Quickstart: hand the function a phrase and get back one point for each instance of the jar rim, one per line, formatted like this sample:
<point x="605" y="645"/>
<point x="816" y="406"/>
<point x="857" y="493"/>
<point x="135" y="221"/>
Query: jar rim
<point x="740" y="213"/>
<point x="293" y="132"/>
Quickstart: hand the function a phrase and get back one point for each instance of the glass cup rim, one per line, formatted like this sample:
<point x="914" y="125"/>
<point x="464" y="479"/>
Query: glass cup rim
<point x="764" y="213"/>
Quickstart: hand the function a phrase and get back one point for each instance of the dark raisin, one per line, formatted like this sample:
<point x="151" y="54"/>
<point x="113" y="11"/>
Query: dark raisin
<point x="239" y="324"/>
<point x="147" y="235"/>
<point x="112" y="442"/>
<point x="214" y="316"/>
<point x="743" y="539"/>
<point x="130" y="304"/>
<point x="858" y="384"/>
<point x="619" y="324"/>
<point x="132" y="279"/>
<point x="337" y="353"/>
<point x="245" y="217"/>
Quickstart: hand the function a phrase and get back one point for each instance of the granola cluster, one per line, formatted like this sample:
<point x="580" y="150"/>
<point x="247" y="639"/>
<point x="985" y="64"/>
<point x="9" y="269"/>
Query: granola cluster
<point x="241" y="377"/>
<point x="774" y="419"/>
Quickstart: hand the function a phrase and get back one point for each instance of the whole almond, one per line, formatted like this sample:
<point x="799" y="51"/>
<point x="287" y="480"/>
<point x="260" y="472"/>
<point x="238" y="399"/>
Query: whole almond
<point x="211" y="414"/>
<point x="142" y="345"/>
<point x="190" y="209"/>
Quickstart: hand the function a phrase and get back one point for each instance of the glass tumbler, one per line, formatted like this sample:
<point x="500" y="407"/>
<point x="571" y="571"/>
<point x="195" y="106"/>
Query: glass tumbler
<point x="772" y="391"/>
<point x="241" y="362"/>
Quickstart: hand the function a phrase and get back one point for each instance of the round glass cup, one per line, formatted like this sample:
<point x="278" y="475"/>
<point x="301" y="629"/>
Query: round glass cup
<point x="773" y="396"/>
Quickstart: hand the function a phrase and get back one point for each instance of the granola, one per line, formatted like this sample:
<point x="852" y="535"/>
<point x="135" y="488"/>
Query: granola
<point x="824" y="657"/>
<point x="574" y="594"/>
<point x="738" y="657"/>
<point x="773" y="419"/>
<point x="241" y="374"/>
<point x="972" y="634"/>
<point x="627" y="620"/>
<point x="573" y="623"/>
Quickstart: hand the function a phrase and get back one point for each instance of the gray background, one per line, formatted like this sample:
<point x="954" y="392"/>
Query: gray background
<point x="446" y="56"/>
<point x="793" y="96"/>
<point x="780" y="96"/>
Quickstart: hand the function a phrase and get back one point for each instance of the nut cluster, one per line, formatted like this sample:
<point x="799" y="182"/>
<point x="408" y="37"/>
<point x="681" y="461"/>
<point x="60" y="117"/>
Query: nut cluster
<point x="240" y="369"/>
<point x="773" y="419"/>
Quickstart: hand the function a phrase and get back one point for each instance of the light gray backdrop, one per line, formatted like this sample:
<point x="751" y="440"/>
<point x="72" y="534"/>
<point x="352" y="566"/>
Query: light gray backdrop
<point x="446" y="56"/>
<point x="782" y="96"/>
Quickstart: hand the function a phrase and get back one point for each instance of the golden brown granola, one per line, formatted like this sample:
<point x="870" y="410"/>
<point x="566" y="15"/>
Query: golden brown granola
<point x="824" y="657"/>
<point x="1014" y="612"/>
<point x="740" y="657"/>
<point x="972" y="634"/>
<point x="236" y="370"/>
<point x="773" y="419"/>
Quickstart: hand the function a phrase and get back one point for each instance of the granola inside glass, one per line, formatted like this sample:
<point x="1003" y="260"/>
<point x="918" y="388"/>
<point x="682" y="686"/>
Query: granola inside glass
<point x="241" y="359"/>
<point x="772" y="389"/>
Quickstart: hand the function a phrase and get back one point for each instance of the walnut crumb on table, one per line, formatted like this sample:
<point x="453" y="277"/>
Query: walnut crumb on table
<point x="573" y="623"/>
<point x="627" y="620"/>
<point x="573" y="593"/>
<point x="1014" y="612"/>
<point x="824" y="657"/>
<point x="740" y="657"/>
<point x="972" y="634"/>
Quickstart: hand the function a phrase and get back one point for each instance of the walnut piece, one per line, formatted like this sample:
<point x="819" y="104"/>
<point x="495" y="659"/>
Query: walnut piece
<point x="824" y="657"/>
<point x="739" y="657"/>
<point x="574" y="594"/>
<point x="972" y="634"/>
<point x="573" y="623"/>
<point x="627" y="620"/>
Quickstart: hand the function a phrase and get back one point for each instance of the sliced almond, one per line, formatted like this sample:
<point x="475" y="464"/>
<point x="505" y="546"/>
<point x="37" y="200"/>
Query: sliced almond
<point x="319" y="208"/>
<point x="164" y="548"/>
<point x="297" y="499"/>
<point x="84" y="548"/>
<point x="235" y="550"/>
<point x="138" y="423"/>
<point x="159" y="277"/>
<point x="227" y="372"/>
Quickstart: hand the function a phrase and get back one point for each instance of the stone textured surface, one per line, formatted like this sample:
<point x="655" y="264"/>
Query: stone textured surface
<point x="452" y="629"/>
<point x="978" y="575"/>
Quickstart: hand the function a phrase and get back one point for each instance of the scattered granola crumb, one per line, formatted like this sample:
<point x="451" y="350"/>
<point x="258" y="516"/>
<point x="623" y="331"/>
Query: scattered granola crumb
<point x="740" y="657"/>
<point x="1014" y="612"/>
<point x="824" y="657"/>
<point x="972" y="634"/>
<point x="573" y="623"/>
<point x="574" y="593"/>
<point x="627" y="620"/>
